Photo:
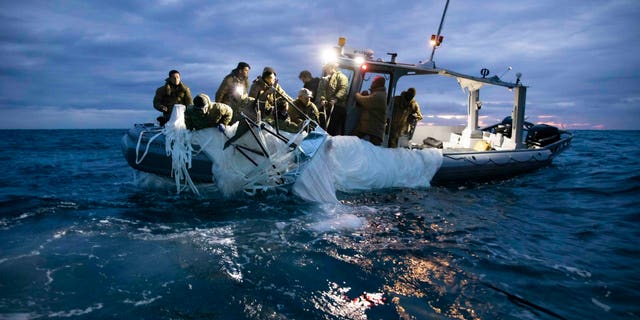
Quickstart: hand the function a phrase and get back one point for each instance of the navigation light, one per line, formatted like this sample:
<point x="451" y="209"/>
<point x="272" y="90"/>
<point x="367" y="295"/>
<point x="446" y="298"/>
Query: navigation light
<point x="436" y="40"/>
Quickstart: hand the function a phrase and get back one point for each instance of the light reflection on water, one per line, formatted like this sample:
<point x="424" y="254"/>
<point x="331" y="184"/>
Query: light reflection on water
<point x="405" y="253"/>
<point x="99" y="245"/>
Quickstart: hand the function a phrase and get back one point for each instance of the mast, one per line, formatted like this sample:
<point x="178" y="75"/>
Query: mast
<point x="437" y="38"/>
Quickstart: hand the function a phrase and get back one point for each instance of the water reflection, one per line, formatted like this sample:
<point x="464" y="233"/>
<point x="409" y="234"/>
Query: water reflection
<point x="336" y="301"/>
<point x="412" y="256"/>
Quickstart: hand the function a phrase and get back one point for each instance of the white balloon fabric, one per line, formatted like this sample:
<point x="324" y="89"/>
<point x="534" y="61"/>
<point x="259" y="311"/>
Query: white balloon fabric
<point x="342" y="163"/>
<point x="349" y="164"/>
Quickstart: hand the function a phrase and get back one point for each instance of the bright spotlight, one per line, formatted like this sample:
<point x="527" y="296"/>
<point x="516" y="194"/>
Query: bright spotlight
<point x="329" y="56"/>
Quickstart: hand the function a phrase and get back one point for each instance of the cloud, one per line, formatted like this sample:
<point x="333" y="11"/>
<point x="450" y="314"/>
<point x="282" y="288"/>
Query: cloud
<point x="578" y="57"/>
<point x="71" y="118"/>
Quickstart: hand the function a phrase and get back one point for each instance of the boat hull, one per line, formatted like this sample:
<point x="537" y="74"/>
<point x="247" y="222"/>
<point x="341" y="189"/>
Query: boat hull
<point x="458" y="167"/>
<point x="135" y="142"/>
<point x="463" y="167"/>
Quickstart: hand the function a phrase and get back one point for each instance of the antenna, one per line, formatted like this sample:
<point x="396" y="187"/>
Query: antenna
<point x="437" y="37"/>
<point x="505" y="72"/>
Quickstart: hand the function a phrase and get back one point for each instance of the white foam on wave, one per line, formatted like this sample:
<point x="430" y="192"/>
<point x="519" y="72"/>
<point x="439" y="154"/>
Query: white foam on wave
<point x="76" y="312"/>
<point x="145" y="299"/>
<point x="342" y="222"/>
<point x="30" y="254"/>
<point x="220" y="242"/>
<point x="604" y="307"/>
<point x="20" y="316"/>
<point x="338" y="218"/>
<point x="60" y="234"/>
<point x="50" y="272"/>
<point x="574" y="270"/>
<point x="349" y="164"/>
<point x="150" y="181"/>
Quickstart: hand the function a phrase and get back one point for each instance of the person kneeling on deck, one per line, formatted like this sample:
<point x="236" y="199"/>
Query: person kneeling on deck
<point x="269" y="99"/>
<point x="406" y="113"/>
<point x="284" y="120"/>
<point x="374" y="109"/>
<point x="269" y="95"/>
<point x="206" y="114"/>
<point x="303" y="108"/>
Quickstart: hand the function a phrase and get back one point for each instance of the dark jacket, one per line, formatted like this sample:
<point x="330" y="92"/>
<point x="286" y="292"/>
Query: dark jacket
<point x="403" y="109"/>
<point x="313" y="85"/>
<point x="310" y="110"/>
<point x="267" y="98"/>
<point x="170" y="94"/>
<point x="228" y="86"/>
<point x="404" y="113"/>
<point x="336" y="87"/>
<point x="373" y="115"/>
<point x="210" y="115"/>
<point x="244" y="106"/>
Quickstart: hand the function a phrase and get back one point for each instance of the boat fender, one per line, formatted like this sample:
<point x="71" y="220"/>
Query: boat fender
<point x="482" y="146"/>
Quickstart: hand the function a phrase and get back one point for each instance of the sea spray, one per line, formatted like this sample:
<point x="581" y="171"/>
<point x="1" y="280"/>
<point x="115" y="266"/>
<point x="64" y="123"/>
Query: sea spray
<point x="339" y="218"/>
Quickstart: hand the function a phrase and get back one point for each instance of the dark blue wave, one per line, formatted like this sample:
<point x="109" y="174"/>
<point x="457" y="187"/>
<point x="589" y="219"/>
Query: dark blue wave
<point x="78" y="237"/>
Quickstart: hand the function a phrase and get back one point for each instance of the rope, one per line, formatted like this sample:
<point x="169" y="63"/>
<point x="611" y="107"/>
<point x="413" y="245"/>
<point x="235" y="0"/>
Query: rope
<point x="508" y="162"/>
<point x="270" y="174"/>
<point x="139" y="160"/>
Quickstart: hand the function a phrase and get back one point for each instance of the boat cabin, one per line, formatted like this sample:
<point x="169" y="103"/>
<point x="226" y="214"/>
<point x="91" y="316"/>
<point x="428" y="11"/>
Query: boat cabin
<point x="360" y="68"/>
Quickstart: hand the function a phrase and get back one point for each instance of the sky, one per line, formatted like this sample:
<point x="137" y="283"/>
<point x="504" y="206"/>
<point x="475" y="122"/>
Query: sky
<point x="96" y="64"/>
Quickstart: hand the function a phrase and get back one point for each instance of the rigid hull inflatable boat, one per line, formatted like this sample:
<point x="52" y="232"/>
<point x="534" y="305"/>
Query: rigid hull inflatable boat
<point x="468" y="152"/>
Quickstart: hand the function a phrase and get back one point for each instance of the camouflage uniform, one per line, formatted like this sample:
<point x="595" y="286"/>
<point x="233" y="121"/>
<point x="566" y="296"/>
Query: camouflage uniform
<point x="169" y="95"/>
<point x="209" y="115"/>
<point x="269" y="97"/>
<point x="245" y="105"/>
<point x="403" y="109"/>
<point x="228" y="86"/>
<point x="373" y="116"/>
<point x="336" y="87"/>
<point x="310" y="110"/>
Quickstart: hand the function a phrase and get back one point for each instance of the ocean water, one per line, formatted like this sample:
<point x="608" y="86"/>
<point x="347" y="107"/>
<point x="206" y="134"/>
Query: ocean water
<point x="83" y="236"/>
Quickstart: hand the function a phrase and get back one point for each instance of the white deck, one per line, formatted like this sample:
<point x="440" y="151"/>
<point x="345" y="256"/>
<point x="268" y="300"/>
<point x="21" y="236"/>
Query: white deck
<point x="455" y="140"/>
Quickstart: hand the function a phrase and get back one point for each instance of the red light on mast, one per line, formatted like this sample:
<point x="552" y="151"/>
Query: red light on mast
<point x="436" y="40"/>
